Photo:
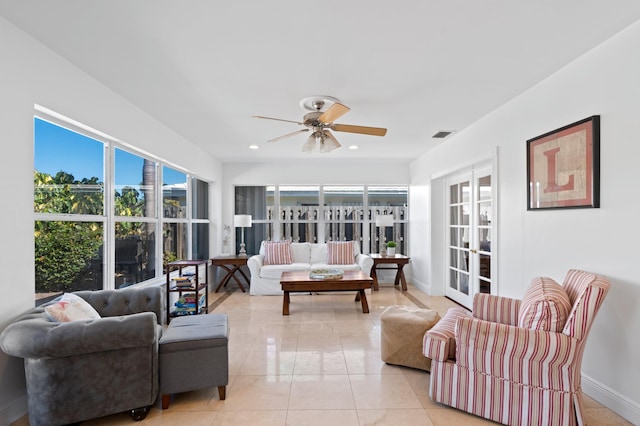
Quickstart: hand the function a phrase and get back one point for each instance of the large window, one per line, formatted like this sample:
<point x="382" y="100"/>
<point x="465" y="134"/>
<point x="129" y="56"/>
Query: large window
<point x="319" y="213"/>
<point x="99" y="208"/>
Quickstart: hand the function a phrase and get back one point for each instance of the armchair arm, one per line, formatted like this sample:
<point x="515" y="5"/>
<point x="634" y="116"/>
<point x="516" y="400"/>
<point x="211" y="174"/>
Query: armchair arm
<point x="530" y="357"/>
<point x="439" y="342"/>
<point x="254" y="263"/>
<point x="502" y="310"/>
<point x="365" y="262"/>
<point x="39" y="338"/>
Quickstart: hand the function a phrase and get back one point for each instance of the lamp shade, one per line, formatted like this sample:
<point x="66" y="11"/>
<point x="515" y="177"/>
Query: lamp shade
<point x="329" y="142"/>
<point x="242" y="220"/>
<point x="384" y="220"/>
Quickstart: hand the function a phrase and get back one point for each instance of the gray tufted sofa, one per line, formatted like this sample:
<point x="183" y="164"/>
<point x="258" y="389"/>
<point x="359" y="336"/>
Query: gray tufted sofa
<point x="86" y="369"/>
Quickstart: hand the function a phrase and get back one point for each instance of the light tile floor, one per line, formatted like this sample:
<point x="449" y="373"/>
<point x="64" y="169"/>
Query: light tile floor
<point x="318" y="366"/>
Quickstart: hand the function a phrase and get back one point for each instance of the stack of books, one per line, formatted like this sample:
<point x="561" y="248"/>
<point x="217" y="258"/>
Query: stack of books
<point x="183" y="282"/>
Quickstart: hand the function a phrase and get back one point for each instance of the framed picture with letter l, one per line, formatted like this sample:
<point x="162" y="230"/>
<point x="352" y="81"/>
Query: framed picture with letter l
<point x="563" y="167"/>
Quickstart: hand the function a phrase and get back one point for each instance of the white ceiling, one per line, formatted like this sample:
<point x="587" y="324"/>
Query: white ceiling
<point x="416" y="67"/>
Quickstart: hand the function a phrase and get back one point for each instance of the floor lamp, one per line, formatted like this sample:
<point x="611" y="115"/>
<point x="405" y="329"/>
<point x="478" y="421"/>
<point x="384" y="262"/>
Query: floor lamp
<point x="384" y="221"/>
<point x="242" y="221"/>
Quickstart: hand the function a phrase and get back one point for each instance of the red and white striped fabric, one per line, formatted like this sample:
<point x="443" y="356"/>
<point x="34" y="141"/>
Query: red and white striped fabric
<point x="545" y="306"/>
<point x="439" y="342"/>
<point x="278" y="253"/>
<point x="340" y="253"/>
<point x="502" y="310"/>
<point x="514" y="375"/>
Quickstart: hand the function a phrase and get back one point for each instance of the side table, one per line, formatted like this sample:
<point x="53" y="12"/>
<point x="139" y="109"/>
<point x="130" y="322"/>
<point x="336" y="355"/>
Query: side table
<point x="399" y="260"/>
<point x="231" y="264"/>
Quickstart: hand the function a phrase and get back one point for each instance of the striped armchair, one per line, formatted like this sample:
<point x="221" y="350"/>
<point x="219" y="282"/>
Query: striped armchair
<point x="517" y="362"/>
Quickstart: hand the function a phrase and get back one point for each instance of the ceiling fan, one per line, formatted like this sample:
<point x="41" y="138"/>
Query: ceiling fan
<point x="320" y="120"/>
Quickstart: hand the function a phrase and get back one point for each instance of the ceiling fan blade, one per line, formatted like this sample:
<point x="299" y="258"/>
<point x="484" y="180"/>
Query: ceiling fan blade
<point x="334" y="112"/>
<point x="375" y="131"/>
<point x="288" y="135"/>
<point x="278" y="119"/>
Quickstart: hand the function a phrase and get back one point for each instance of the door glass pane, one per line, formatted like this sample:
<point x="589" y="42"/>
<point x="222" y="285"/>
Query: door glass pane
<point x="484" y="188"/>
<point x="453" y="279"/>
<point x="453" y="194"/>
<point x="454" y="258"/>
<point x="455" y="237"/>
<point x="454" y="216"/>
<point x="464" y="283"/>
<point x="465" y="214"/>
<point x="464" y="189"/>
<point x="485" y="266"/>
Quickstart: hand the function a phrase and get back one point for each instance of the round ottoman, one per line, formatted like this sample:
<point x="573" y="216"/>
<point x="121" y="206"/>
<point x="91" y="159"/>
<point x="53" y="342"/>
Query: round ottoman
<point x="402" y="333"/>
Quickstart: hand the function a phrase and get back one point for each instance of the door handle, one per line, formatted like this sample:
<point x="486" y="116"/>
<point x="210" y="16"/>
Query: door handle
<point x="474" y="251"/>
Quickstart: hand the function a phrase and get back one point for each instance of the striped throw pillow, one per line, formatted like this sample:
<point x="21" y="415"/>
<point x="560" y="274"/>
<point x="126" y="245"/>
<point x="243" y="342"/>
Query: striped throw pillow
<point x="340" y="253"/>
<point x="277" y="253"/>
<point x="545" y="306"/>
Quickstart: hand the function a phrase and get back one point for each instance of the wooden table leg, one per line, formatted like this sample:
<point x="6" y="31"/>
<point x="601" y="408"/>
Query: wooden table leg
<point x="374" y="275"/>
<point x="404" y="281"/>
<point x="231" y="274"/>
<point x="225" y="279"/>
<point x="400" y="278"/>
<point x="363" y="299"/>
<point x="285" y="303"/>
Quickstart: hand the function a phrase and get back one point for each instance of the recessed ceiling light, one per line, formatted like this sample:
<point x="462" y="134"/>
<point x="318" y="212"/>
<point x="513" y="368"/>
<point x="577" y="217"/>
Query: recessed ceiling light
<point x="353" y="147"/>
<point x="254" y="147"/>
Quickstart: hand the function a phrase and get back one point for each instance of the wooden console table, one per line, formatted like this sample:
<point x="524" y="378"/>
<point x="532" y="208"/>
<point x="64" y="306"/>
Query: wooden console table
<point x="399" y="260"/>
<point x="231" y="264"/>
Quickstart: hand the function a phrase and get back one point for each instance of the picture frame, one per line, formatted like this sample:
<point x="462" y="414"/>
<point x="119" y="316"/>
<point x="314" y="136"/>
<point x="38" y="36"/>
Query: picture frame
<point x="563" y="167"/>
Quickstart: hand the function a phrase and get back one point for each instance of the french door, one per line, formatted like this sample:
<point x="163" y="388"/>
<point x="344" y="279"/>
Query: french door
<point x="469" y="222"/>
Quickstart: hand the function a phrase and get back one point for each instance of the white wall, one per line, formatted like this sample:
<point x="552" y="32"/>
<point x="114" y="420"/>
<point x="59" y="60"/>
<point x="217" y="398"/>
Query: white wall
<point x="606" y="82"/>
<point x="30" y="74"/>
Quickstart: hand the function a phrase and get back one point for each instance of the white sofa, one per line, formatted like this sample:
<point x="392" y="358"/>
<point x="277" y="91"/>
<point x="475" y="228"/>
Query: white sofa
<point x="265" y="279"/>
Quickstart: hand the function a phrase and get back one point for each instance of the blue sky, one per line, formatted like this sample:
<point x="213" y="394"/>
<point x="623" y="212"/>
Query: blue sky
<point x="58" y="149"/>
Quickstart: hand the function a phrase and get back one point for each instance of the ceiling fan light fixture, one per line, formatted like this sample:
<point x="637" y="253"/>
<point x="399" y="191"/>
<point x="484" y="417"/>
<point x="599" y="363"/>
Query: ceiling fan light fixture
<point x="324" y="110"/>
<point x="329" y="142"/>
<point x="310" y="144"/>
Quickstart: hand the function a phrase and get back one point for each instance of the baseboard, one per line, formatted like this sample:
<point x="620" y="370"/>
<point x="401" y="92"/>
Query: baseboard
<point x="13" y="411"/>
<point x="611" y="399"/>
<point x="424" y="287"/>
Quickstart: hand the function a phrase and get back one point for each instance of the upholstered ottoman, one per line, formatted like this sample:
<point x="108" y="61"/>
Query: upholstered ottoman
<point x="402" y="332"/>
<point x="193" y="355"/>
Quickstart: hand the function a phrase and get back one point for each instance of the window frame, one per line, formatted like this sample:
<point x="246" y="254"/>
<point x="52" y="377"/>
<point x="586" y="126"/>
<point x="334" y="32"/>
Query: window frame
<point x="108" y="219"/>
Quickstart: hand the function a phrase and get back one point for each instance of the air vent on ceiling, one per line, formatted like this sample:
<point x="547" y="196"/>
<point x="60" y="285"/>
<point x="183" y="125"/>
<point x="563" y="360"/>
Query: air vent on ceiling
<point x="441" y="134"/>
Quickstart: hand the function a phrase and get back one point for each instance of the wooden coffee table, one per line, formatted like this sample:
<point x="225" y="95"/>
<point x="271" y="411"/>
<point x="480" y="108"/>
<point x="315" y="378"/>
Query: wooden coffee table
<point x="299" y="281"/>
